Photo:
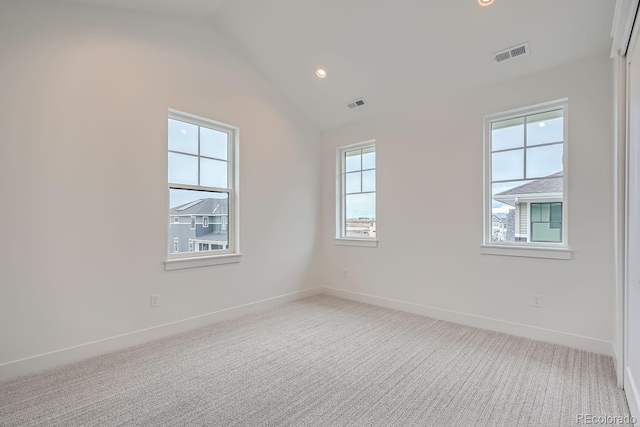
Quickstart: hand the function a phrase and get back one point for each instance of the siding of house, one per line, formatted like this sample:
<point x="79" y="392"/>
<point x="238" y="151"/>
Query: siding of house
<point x="524" y="218"/>
<point x="544" y="233"/>
<point x="184" y="232"/>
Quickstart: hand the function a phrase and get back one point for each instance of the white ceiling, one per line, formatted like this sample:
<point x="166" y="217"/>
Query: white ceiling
<point x="395" y="52"/>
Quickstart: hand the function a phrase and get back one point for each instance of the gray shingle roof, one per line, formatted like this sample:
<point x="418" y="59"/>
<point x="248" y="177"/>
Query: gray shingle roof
<point x="213" y="237"/>
<point x="550" y="184"/>
<point x="207" y="206"/>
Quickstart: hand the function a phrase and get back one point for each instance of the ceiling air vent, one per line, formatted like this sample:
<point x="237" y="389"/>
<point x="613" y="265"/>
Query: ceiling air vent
<point x="513" y="52"/>
<point x="355" y="104"/>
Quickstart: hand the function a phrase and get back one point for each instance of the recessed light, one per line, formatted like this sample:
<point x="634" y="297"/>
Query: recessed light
<point x="321" y="72"/>
<point x="485" y="2"/>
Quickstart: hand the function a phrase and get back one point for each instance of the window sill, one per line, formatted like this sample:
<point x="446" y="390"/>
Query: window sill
<point x="204" y="261"/>
<point x="527" y="252"/>
<point x="367" y="243"/>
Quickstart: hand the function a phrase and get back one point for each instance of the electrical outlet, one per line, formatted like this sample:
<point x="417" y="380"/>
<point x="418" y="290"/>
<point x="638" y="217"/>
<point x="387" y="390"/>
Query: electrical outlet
<point x="155" y="300"/>
<point x="537" y="301"/>
<point x="344" y="274"/>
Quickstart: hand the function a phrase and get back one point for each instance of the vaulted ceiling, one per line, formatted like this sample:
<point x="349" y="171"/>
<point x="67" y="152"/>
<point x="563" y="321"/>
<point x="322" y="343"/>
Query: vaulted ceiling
<point x="394" y="52"/>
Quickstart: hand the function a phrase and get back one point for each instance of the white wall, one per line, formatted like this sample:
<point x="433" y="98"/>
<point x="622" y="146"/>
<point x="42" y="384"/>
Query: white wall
<point x="84" y="95"/>
<point x="429" y="175"/>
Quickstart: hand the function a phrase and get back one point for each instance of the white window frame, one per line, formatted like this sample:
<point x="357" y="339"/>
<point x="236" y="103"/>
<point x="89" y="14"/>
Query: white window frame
<point x="176" y="243"/>
<point x="232" y="253"/>
<point x="205" y="221"/>
<point x="340" y="238"/>
<point x="526" y="249"/>
<point x="193" y="222"/>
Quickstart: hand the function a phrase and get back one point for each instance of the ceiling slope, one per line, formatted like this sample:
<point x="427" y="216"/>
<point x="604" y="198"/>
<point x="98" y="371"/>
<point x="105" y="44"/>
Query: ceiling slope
<point x="405" y="51"/>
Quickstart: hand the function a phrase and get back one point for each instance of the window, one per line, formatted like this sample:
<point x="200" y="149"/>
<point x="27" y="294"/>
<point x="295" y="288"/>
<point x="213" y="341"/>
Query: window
<point x="356" y="194"/>
<point x="202" y="180"/>
<point x="176" y="219"/>
<point x="525" y="177"/>
<point x="546" y="222"/>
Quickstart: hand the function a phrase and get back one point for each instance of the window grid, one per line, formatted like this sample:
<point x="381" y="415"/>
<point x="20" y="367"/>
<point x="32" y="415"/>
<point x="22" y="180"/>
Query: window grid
<point x="213" y="154"/>
<point x="531" y="169"/>
<point x="525" y="148"/>
<point x="358" y="150"/>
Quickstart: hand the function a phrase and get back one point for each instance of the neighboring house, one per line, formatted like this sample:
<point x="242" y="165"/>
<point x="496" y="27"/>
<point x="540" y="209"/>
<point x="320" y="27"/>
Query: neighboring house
<point x="538" y="209"/>
<point x="199" y="226"/>
<point x="511" y="226"/>
<point x="361" y="227"/>
<point x="498" y="228"/>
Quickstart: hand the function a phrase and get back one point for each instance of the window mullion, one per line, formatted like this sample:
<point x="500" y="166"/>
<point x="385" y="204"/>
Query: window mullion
<point x="199" y="128"/>
<point x="524" y="156"/>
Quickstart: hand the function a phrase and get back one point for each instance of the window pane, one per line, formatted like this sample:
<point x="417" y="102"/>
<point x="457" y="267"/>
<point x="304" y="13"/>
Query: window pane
<point x="369" y="158"/>
<point x="197" y="204"/>
<point x="556" y="212"/>
<point x="507" y="134"/>
<point x="360" y="215"/>
<point x="545" y="212"/>
<point x="545" y="127"/>
<point x="507" y="165"/>
<point x="352" y="182"/>
<point x="369" y="180"/>
<point x="183" y="169"/>
<point x="544" y="161"/>
<point x="213" y="143"/>
<point x="183" y="137"/>
<point x="546" y="222"/>
<point x="213" y="173"/>
<point x="352" y="160"/>
<point x="536" y="212"/>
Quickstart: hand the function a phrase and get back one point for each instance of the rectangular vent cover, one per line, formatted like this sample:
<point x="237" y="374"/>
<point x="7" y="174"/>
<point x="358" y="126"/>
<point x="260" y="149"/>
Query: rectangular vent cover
<point x="513" y="52"/>
<point x="357" y="103"/>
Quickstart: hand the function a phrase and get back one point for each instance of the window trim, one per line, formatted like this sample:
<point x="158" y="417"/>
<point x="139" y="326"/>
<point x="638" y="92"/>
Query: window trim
<point x="526" y="249"/>
<point x="205" y="221"/>
<point x="232" y="254"/>
<point x="340" y="224"/>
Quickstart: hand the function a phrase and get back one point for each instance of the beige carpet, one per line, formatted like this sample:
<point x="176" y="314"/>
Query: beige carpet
<point x="323" y="361"/>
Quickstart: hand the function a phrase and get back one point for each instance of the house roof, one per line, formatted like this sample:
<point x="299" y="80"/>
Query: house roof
<point x="207" y="206"/>
<point x="550" y="184"/>
<point x="213" y="237"/>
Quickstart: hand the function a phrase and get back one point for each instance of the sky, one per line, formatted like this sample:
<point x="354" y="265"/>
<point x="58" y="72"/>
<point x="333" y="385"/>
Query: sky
<point x="506" y="165"/>
<point x="540" y="160"/>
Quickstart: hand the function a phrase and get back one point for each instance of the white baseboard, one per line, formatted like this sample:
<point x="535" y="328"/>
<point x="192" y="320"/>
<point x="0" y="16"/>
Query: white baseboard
<point x="63" y="356"/>
<point x="631" y="391"/>
<point x="555" y="337"/>
<point x="618" y="365"/>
